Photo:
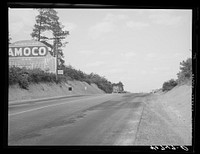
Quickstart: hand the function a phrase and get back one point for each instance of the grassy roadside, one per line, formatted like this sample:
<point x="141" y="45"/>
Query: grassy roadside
<point x="25" y="77"/>
<point x="167" y="118"/>
<point x="46" y="90"/>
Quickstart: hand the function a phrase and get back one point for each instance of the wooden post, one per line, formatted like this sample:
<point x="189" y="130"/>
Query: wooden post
<point x="56" y="47"/>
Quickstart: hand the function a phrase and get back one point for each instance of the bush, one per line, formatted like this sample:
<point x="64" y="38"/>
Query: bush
<point x="169" y="85"/>
<point x="24" y="76"/>
<point x="23" y="81"/>
<point x="185" y="73"/>
<point x="13" y="75"/>
<point x="88" y="81"/>
<point x="100" y="81"/>
<point x="38" y="75"/>
<point x="18" y="76"/>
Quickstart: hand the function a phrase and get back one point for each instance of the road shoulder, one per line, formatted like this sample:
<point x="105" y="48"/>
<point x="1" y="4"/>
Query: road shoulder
<point x="159" y="126"/>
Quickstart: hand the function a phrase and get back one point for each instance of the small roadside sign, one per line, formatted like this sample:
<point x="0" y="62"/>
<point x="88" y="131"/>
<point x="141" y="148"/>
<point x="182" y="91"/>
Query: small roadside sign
<point x="70" y="88"/>
<point x="60" y="71"/>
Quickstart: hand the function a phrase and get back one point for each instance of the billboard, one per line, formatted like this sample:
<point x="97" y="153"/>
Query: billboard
<point x="27" y="51"/>
<point x="31" y="54"/>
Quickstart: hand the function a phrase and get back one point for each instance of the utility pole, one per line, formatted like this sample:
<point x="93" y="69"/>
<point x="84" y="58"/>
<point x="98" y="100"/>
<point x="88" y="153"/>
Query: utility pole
<point x="56" y="48"/>
<point x="56" y="52"/>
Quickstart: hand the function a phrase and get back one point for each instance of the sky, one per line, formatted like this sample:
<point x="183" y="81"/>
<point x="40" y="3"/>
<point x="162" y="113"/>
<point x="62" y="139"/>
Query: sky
<point x="142" y="48"/>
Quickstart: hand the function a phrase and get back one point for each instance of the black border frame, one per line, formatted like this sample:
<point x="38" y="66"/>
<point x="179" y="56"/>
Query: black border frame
<point x="92" y="5"/>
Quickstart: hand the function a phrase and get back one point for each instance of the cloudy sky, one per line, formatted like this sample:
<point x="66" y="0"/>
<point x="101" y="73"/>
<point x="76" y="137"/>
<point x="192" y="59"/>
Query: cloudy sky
<point x="142" y="48"/>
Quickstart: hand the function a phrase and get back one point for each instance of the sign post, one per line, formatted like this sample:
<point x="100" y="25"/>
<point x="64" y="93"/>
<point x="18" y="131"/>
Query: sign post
<point x="56" y="59"/>
<point x="60" y="72"/>
<point x="56" y="51"/>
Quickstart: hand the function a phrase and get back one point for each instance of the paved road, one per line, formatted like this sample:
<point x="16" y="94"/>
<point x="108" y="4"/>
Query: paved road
<point x="108" y="119"/>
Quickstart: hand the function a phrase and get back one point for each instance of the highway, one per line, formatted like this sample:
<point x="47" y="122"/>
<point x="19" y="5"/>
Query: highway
<point x="106" y="119"/>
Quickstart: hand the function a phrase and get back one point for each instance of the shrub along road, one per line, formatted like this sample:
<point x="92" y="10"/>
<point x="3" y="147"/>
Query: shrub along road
<point x="108" y="119"/>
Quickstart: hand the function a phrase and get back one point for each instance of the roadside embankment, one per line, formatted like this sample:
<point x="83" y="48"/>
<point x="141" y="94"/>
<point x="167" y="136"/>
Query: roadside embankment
<point x="167" y="118"/>
<point x="46" y="90"/>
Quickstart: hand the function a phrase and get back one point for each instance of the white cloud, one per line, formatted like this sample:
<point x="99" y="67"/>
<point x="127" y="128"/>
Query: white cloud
<point x="25" y="16"/>
<point x="69" y="26"/>
<point x="21" y="23"/>
<point x="128" y="54"/>
<point x="143" y="72"/>
<point x="95" y="64"/>
<point x="109" y="23"/>
<point x="106" y="53"/>
<point x="115" y="70"/>
<point x="100" y="29"/>
<point x="162" y="16"/>
<point x="115" y="18"/>
<point x="151" y="55"/>
<point x="136" y="24"/>
<point x="15" y="28"/>
<point x="176" y="55"/>
<point x="165" y="18"/>
<point x="86" y="52"/>
<point x="158" y="69"/>
<point x="99" y="53"/>
<point x="155" y="70"/>
<point x="147" y="11"/>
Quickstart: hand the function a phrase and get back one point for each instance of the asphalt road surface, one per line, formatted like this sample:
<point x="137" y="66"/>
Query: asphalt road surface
<point x="107" y="119"/>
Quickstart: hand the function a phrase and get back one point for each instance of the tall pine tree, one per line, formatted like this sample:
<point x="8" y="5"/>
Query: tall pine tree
<point x="48" y="21"/>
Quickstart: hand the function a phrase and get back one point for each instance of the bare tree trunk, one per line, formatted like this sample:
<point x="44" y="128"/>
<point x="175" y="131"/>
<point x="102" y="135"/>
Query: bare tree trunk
<point x="39" y="31"/>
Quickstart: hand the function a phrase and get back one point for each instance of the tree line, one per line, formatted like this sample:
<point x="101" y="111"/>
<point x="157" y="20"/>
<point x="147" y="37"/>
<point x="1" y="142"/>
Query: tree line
<point x="24" y="77"/>
<point x="183" y="76"/>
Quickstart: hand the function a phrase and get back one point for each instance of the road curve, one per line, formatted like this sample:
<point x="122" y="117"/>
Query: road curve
<point x="108" y="119"/>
